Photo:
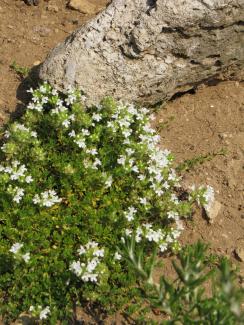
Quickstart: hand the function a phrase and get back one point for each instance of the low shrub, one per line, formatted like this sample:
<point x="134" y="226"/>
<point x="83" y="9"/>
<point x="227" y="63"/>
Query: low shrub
<point x="76" y="181"/>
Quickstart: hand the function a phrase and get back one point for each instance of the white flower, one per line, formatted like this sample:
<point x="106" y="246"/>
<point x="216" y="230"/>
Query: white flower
<point x="92" y="265"/>
<point x="4" y="147"/>
<point x="32" y="308"/>
<point x="173" y="215"/>
<point x="129" y="151"/>
<point x="19" y="193"/>
<point x="76" y="268"/>
<point x="81" y="250"/>
<point x="26" y="257"/>
<point x="163" y="247"/>
<point x="117" y="256"/>
<point x="153" y="235"/>
<point x="66" y="123"/>
<point x="54" y="92"/>
<point x="85" y="132"/>
<point x="70" y="99"/>
<point x="144" y="110"/>
<point x="109" y="182"/>
<point x="141" y="177"/>
<point x="35" y="106"/>
<point x="30" y="90"/>
<point x="143" y="201"/>
<point x="139" y="233"/>
<point x="96" y="163"/>
<point x="72" y="117"/>
<point x="44" y="313"/>
<point x="85" y="277"/>
<point x="131" y="162"/>
<point x="43" y="89"/>
<point x="33" y="134"/>
<point x="126" y="133"/>
<point x="148" y="129"/>
<point x="47" y="198"/>
<point x="16" y="247"/>
<point x="99" y="253"/>
<point x="130" y="213"/>
<point x="121" y="160"/>
<point x="91" y="244"/>
<point x="7" y="134"/>
<point x="81" y="143"/>
<point x="147" y="226"/>
<point x="96" y="117"/>
<point x="174" y="199"/>
<point x="29" y="179"/>
<point x="18" y="172"/>
<point x="126" y="141"/>
<point x="166" y="185"/>
<point x="135" y="169"/>
<point x="128" y="232"/>
<point x="72" y="134"/>
<point x="92" y="151"/>
<point x="110" y="125"/>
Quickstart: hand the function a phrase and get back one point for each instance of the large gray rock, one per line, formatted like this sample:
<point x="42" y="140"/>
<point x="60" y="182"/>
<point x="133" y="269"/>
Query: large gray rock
<point x="148" y="50"/>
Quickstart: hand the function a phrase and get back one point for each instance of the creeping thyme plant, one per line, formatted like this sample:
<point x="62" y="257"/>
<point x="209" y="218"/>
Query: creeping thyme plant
<point x="75" y="183"/>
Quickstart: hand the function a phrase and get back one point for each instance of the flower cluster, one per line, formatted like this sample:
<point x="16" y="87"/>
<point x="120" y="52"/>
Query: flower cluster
<point x="163" y="238"/>
<point x="16" y="171"/>
<point x="46" y="199"/>
<point x="91" y="267"/>
<point x="13" y="174"/>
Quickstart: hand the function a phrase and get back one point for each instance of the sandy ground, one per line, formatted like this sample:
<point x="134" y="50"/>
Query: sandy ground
<point x="192" y="125"/>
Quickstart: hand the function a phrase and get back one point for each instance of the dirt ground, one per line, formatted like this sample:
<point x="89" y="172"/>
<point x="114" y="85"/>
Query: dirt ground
<point x="196" y="124"/>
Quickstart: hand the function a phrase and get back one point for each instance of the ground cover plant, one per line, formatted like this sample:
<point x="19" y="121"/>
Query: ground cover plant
<point x="76" y="183"/>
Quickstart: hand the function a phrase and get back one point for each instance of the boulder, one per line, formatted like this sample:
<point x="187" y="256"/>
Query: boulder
<point x="147" y="50"/>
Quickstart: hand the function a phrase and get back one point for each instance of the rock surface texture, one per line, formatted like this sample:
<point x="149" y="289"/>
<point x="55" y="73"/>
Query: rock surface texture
<point x="148" y="50"/>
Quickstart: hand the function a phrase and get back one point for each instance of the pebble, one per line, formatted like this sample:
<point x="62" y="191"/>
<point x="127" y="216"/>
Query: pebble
<point x="36" y="63"/>
<point x="84" y="6"/>
<point x="214" y="211"/>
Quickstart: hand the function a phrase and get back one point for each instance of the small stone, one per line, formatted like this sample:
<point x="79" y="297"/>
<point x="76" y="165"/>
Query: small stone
<point x="213" y="212"/>
<point x="84" y="6"/>
<point x="239" y="253"/>
<point x="36" y="63"/>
